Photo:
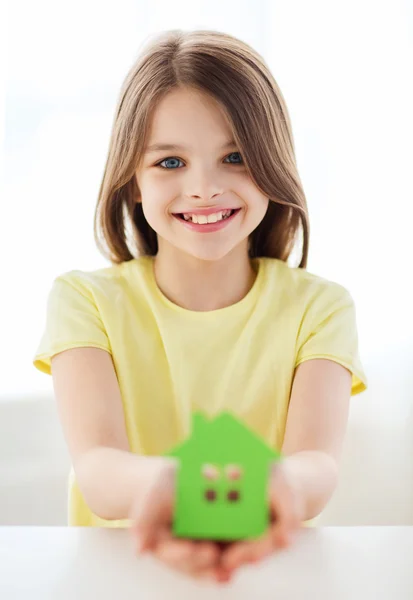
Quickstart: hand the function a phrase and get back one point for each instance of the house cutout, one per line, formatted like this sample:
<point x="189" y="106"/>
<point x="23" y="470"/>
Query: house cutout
<point x="222" y="481"/>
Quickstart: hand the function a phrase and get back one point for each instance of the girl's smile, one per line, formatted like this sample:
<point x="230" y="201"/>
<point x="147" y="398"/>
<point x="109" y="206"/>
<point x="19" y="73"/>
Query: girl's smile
<point x="207" y="221"/>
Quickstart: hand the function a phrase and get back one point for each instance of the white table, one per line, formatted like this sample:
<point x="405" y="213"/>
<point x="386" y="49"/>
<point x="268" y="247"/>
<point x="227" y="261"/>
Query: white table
<point x="330" y="563"/>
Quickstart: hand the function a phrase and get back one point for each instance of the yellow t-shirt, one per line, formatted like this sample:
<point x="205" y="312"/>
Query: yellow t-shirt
<point x="171" y="361"/>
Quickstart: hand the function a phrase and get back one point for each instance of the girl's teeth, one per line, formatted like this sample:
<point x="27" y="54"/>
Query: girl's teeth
<point x="213" y="218"/>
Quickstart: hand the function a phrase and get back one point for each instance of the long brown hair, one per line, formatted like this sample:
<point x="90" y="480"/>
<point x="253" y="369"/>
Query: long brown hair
<point x="235" y="75"/>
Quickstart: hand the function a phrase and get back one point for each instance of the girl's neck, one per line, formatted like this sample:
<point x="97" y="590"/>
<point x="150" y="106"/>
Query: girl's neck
<point x="201" y="285"/>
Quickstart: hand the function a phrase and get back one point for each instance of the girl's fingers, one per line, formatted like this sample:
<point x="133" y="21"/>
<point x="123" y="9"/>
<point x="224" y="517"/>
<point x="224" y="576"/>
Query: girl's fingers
<point x="206" y="554"/>
<point x="284" y="522"/>
<point x="174" y="552"/>
<point x="153" y="517"/>
<point x="284" y="527"/>
<point x="246" y="552"/>
<point x="285" y="519"/>
<point x="198" y="559"/>
<point x="154" y="509"/>
<point x="222" y="575"/>
<point x="250" y="552"/>
<point x="187" y="555"/>
<point x="146" y="539"/>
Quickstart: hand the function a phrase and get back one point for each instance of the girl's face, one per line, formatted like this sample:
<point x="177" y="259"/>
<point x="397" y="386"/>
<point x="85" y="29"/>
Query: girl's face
<point x="189" y="187"/>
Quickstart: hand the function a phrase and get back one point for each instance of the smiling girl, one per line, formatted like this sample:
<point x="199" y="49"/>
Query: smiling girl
<point x="199" y="212"/>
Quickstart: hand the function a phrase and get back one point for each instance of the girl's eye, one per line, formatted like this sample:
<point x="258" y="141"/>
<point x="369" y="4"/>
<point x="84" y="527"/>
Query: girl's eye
<point x="235" y="154"/>
<point x="167" y="160"/>
<point x="173" y="158"/>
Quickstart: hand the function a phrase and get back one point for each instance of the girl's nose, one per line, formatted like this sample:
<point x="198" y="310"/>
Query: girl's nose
<point x="204" y="185"/>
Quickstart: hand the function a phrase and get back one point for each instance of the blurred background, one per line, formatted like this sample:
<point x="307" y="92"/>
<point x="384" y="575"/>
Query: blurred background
<point x="345" y="70"/>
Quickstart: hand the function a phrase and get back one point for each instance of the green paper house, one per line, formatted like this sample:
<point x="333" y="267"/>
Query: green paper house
<point x="222" y="481"/>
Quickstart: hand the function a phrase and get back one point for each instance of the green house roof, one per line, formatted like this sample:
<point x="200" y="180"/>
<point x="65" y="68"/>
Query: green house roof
<point x="224" y="437"/>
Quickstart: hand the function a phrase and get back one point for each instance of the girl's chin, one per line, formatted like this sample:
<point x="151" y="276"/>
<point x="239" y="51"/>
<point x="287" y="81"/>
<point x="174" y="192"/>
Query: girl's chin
<point x="213" y="250"/>
<point x="202" y="254"/>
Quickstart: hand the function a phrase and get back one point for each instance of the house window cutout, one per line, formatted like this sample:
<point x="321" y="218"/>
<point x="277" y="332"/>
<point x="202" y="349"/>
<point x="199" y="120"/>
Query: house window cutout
<point x="210" y="495"/>
<point x="210" y="472"/>
<point x="233" y="472"/>
<point x="233" y="496"/>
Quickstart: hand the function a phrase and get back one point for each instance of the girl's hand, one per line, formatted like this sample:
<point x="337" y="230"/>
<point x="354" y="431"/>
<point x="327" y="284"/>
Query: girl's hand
<point x="152" y="517"/>
<point x="287" y="514"/>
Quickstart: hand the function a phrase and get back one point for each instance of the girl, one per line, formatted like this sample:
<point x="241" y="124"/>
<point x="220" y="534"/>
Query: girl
<point x="199" y="212"/>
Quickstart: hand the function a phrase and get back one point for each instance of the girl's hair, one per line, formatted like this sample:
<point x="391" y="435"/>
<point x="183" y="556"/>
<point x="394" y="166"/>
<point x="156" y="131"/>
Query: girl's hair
<point x="237" y="77"/>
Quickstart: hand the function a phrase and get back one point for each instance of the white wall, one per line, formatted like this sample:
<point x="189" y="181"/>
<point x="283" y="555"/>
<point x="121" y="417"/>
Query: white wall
<point x="376" y="476"/>
<point x="34" y="463"/>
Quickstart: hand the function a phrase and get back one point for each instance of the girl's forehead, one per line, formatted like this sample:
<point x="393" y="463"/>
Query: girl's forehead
<point x="186" y="108"/>
<point x="181" y="124"/>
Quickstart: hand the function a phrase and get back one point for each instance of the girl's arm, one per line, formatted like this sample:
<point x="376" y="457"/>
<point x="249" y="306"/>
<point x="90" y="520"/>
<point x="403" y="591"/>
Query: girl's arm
<point x="315" y="429"/>
<point x="89" y="404"/>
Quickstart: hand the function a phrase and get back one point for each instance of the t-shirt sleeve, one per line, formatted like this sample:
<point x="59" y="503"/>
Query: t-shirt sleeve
<point x="329" y="330"/>
<point x="72" y="321"/>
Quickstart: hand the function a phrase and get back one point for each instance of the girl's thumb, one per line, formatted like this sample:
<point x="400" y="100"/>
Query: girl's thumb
<point x="153" y="513"/>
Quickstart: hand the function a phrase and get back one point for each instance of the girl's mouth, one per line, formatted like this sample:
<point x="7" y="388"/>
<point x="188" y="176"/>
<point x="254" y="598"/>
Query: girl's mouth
<point x="207" y="223"/>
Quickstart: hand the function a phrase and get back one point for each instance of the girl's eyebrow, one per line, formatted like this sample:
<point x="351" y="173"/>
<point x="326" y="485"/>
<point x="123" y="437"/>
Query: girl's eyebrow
<point x="156" y="147"/>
